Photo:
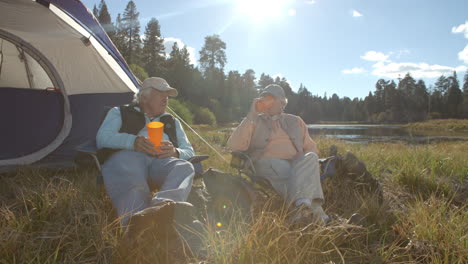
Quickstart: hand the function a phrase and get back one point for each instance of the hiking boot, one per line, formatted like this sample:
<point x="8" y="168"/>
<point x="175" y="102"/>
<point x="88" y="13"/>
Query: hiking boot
<point x="319" y="216"/>
<point x="300" y="215"/>
<point x="157" y="219"/>
<point x="304" y="215"/>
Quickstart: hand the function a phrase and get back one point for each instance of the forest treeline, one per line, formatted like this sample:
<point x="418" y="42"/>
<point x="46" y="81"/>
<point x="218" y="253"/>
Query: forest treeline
<point x="208" y="95"/>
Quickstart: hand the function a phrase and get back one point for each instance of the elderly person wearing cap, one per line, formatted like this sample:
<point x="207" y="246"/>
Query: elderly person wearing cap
<point x="134" y="168"/>
<point x="284" y="154"/>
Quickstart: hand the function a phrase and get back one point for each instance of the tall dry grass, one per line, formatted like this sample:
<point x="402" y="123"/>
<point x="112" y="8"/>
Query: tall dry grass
<point x="60" y="216"/>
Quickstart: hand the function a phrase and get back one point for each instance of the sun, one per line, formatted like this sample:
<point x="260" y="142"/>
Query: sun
<point x="262" y="10"/>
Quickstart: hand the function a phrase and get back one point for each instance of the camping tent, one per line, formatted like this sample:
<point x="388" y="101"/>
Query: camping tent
<point x="58" y="68"/>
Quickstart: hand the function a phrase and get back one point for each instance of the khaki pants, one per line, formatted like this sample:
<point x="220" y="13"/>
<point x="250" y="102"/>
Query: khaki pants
<point x="293" y="180"/>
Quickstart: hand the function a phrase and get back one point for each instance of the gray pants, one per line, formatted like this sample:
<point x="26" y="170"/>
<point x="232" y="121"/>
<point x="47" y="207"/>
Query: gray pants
<point x="130" y="176"/>
<point x="293" y="180"/>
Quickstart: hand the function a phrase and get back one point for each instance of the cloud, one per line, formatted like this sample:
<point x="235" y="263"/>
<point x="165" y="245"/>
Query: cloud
<point x="355" y="13"/>
<point x="463" y="28"/>
<point x="310" y="2"/>
<point x="398" y="54"/>
<point x="169" y="42"/>
<point x="463" y="55"/>
<point x="417" y="70"/>
<point x="374" y="56"/>
<point x="354" y="70"/>
<point x="384" y="67"/>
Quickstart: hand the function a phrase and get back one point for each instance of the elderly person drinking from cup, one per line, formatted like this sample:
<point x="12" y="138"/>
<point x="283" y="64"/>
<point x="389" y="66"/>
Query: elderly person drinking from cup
<point x="283" y="153"/>
<point x="134" y="167"/>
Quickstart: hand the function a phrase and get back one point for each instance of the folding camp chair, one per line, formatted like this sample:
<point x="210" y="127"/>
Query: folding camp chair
<point x="246" y="169"/>
<point x="89" y="148"/>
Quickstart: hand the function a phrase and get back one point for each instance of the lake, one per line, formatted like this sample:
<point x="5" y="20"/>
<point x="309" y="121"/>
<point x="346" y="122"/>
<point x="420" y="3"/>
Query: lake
<point x="383" y="133"/>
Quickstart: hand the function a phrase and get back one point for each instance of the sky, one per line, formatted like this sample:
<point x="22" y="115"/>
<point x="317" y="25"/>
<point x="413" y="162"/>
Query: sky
<point x="330" y="46"/>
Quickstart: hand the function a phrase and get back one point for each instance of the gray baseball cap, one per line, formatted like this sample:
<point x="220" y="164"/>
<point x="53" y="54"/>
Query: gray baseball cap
<point x="275" y="90"/>
<point x="159" y="84"/>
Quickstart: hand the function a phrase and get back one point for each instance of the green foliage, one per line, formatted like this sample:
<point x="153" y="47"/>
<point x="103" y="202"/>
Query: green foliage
<point x="213" y="54"/>
<point x="203" y="115"/>
<point x="181" y="110"/>
<point x="153" y="49"/>
<point x="138" y="71"/>
<point x="130" y="31"/>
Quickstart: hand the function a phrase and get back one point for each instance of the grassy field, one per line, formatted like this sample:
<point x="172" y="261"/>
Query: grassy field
<point x="60" y="216"/>
<point x="440" y="124"/>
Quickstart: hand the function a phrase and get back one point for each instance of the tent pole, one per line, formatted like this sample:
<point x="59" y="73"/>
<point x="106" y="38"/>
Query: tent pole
<point x="1" y="58"/>
<point x="26" y="65"/>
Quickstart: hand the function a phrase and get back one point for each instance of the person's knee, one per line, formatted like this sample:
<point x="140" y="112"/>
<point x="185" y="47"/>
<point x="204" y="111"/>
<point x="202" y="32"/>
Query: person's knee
<point x="187" y="167"/>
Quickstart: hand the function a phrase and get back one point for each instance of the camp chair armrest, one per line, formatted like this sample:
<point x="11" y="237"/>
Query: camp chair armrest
<point x="88" y="147"/>
<point x="242" y="161"/>
<point x="198" y="158"/>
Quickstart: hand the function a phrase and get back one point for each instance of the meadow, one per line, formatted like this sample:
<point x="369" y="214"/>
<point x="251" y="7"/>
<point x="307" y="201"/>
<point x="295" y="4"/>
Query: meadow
<point x="62" y="217"/>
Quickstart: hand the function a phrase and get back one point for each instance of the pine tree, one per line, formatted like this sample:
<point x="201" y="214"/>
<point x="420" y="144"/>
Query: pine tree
<point x="95" y="11"/>
<point x="213" y="54"/>
<point x="105" y="19"/>
<point x="118" y="37"/>
<point x="131" y="33"/>
<point x="153" y="49"/>
<point x="265" y="80"/>
<point x="180" y="71"/>
<point x="454" y="97"/>
<point x="465" y="95"/>
<point x="421" y="98"/>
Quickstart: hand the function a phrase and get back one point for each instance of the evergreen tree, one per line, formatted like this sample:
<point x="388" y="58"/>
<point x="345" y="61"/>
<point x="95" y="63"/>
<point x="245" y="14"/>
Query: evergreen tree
<point x="213" y="54"/>
<point x="131" y="32"/>
<point x="153" y="49"/>
<point x="247" y="92"/>
<point x="265" y="80"/>
<point x="118" y="37"/>
<point x="465" y="95"/>
<point x="105" y="19"/>
<point x="421" y="98"/>
<point x="180" y="72"/>
<point x="454" y="97"/>
<point x="95" y="11"/>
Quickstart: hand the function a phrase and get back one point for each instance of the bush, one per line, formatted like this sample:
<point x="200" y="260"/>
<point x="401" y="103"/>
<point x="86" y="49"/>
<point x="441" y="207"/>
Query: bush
<point x="181" y="110"/>
<point x="139" y="72"/>
<point x="204" y="116"/>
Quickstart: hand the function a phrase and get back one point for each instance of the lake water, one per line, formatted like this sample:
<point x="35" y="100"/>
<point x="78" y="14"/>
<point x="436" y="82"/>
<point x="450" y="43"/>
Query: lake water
<point x="383" y="133"/>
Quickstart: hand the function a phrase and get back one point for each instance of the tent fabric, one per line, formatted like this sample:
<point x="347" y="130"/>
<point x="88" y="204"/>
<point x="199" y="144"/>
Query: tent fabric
<point x="59" y="38"/>
<point x="28" y="111"/>
<point x="58" y="67"/>
<point x="17" y="69"/>
<point x="30" y="156"/>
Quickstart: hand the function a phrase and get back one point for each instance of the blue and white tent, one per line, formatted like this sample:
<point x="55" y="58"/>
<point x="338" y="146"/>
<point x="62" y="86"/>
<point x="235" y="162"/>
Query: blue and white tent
<point x="58" y="68"/>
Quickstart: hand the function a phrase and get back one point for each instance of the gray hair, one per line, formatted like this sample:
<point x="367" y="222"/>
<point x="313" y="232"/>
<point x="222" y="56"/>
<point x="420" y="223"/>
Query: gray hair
<point x="284" y="101"/>
<point x="141" y="93"/>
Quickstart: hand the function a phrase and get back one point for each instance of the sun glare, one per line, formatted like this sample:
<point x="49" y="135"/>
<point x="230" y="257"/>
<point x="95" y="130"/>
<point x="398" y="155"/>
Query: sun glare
<point x="261" y="10"/>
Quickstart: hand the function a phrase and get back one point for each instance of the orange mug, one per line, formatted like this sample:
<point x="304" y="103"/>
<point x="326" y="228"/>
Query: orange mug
<point x="155" y="132"/>
<point x="264" y="103"/>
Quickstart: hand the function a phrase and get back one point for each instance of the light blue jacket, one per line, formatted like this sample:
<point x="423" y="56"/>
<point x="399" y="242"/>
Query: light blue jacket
<point x="108" y="135"/>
